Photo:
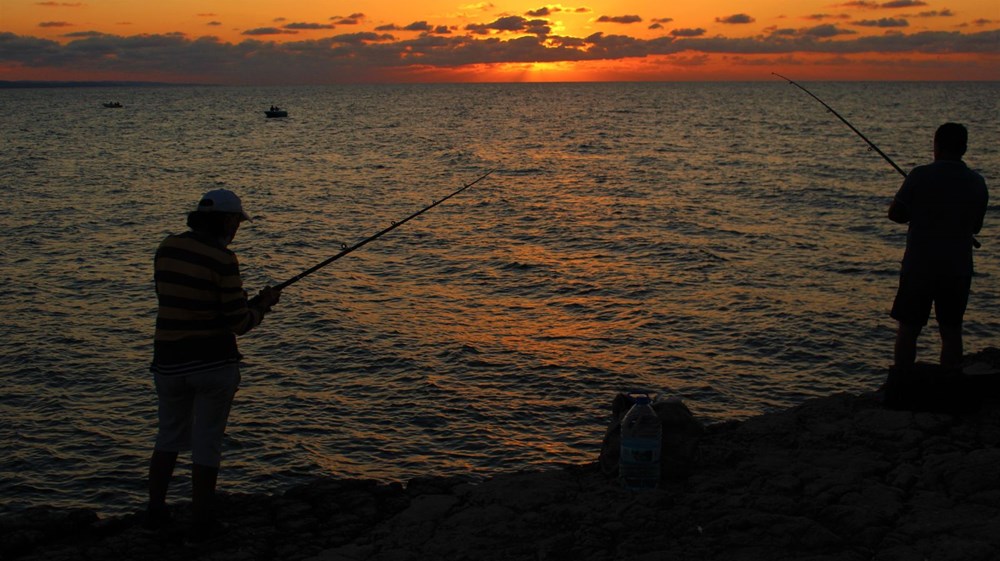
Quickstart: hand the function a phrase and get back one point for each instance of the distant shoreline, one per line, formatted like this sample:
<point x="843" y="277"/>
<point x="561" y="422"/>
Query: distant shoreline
<point x="25" y="84"/>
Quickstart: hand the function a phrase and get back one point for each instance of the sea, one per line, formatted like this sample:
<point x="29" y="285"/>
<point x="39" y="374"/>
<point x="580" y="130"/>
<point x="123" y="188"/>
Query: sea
<point x="722" y="243"/>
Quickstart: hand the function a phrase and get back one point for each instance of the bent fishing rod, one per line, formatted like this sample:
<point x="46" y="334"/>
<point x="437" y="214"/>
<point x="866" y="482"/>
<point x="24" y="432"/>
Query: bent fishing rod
<point x="376" y="236"/>
<point x="856" y="131"/>
<point x="871" y="145"/>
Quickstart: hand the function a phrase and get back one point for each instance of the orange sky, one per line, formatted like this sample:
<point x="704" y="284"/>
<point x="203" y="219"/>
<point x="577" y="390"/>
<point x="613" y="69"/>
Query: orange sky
<point x="316" y="42"/>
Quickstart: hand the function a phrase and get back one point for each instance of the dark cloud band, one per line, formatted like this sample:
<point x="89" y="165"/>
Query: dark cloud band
<point x="368" y="54"/>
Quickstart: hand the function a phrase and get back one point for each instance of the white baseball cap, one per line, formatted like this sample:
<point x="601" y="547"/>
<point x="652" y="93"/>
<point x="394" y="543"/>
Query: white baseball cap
<point x="222" y="200"/>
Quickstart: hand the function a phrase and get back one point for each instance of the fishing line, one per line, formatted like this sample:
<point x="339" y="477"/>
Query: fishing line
<point x="376" y="236"/>
<point x="871" y="145"/>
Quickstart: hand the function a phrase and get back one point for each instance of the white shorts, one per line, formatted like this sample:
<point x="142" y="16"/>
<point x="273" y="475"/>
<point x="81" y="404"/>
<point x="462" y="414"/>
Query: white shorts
<point x="193" y="411"/>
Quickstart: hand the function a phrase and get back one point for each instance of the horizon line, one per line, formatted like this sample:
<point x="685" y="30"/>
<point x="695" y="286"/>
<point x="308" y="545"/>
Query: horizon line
<point x="26" y="84"/>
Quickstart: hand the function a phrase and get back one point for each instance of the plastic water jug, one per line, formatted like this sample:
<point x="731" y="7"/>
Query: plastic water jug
<point x="639" y="462"/>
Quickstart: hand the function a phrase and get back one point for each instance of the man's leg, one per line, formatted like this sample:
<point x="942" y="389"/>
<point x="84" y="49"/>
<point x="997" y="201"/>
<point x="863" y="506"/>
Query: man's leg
<point x="905" y="350"/>
<point x="203" y="479"/>
<point x="174" y="406"/>
<point x="161" y="470"/>
<point x="213" y="402"/>
<point x="951" y="345"/>
<point x="949" y="307"/>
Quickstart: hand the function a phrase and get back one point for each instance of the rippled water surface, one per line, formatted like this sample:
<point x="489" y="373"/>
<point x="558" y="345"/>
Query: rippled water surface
<point x="725" y="243"/>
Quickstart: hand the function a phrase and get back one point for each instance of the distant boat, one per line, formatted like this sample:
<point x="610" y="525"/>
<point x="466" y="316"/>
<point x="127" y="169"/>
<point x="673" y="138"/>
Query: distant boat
<point x="275" y="111"/>
<point x="113" y="104"/>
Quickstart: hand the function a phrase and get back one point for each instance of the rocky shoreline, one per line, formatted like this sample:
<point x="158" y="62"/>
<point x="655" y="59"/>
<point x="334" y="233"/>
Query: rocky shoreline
<point x="836" y="478"/>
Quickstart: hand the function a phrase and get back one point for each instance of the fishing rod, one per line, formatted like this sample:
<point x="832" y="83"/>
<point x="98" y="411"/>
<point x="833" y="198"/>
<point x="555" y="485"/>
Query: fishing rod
<point x="856" y="131"/>
<point x="975" y="242"/>
<point x="374" y="237"/>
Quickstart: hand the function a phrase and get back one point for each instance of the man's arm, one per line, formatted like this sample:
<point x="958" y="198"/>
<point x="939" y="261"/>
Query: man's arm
<point x="899" y="209"/>
<point x="898" y="212"/>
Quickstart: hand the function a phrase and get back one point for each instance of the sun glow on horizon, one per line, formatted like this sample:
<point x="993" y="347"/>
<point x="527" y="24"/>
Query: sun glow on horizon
<point x="532" y="72"/>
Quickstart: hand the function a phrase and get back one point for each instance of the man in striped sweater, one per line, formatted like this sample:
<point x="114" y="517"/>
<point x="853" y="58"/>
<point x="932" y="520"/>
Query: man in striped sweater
<point x="202" y="308"/>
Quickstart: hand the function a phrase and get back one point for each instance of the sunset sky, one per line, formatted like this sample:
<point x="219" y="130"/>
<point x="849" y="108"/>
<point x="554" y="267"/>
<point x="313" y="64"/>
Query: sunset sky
<point x="321" y="42"/>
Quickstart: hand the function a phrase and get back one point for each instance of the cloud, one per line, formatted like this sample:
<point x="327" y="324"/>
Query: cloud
<point x="269" y="31"/>
<point x="308" y="26"/>
<point x="619" y="19"/>
<point x="482" y="6"/>
<point x="736" y="19"/>
<point x="83" y="34"/>
<point x="542" y="12"/>
<point x="946" y="13"/>
<point x="903" y="4"/>
<point x="361" y="38"/>
<point x="511" y="24"/>
<point x="826" y="31"/>
<point x="570" y="42"/>
<point x="602" y="45"/>
<point x="214" y="23"/>
<point x="418" y="26"/>
<point x="658" y="22"/>
<point x="55" y="24"/>
<point x="883" y="22"/>
<point x="821" y="17"/>
<point x="60" y="4"/>
<point x="688" y="32"/>
<point x="352" y="19"/>
<point x="421" y="26"/>
<point x="892" y="4"/>
<point x="783" y="32"/>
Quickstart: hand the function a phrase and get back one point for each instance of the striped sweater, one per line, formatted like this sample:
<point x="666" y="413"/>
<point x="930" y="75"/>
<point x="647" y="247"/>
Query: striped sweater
<point x="202" y="305"/>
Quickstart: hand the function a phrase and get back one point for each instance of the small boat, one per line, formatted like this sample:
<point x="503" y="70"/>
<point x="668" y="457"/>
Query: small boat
<point x="275" y="111"/>
<point x="113" y="105"/>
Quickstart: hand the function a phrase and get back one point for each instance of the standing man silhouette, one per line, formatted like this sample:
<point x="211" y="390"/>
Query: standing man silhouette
<point x="944" y="203"/>
<point x="202" y="308"/>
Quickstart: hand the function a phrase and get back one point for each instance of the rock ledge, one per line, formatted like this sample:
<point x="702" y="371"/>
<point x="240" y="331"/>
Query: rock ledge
<point x="836" y="478"/>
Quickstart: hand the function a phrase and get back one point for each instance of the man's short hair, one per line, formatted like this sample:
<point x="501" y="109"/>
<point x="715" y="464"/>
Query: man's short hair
<point x="952" y="139"/>
<point x="211" y="223"/>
